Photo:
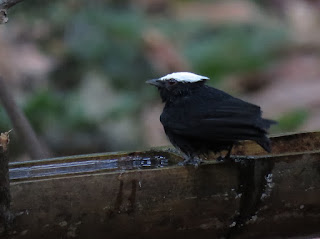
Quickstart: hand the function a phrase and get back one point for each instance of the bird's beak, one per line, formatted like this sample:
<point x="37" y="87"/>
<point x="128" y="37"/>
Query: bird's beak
<point x="155" y="82"/>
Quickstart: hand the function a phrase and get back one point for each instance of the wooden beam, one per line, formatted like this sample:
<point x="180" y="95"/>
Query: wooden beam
<point x="147" y="195"/>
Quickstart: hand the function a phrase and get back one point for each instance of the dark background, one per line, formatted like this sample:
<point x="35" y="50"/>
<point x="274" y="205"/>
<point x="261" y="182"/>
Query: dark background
<point x="78" y="68"/>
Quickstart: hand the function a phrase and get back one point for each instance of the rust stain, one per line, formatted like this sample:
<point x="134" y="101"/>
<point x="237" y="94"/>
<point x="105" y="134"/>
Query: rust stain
<point x="132" y="197"/>
<point x="118" y="202"/>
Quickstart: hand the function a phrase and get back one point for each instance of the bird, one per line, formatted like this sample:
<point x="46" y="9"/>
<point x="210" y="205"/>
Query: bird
<point x="199" y="119"/>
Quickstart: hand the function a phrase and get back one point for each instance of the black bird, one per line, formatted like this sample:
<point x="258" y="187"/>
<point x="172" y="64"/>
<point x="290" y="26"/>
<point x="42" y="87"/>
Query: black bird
<point x="198" y="118"/>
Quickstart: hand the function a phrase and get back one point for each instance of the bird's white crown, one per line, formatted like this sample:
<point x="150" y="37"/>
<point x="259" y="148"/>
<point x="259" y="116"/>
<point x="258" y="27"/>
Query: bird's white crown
<point x="186" y="77"/>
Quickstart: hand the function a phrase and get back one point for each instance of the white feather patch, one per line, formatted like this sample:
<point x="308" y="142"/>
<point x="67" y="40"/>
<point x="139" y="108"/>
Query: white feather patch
<point x="184" y="77"/>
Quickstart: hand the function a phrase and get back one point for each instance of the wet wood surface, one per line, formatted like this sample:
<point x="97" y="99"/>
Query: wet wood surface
<point x="147" y="195"/>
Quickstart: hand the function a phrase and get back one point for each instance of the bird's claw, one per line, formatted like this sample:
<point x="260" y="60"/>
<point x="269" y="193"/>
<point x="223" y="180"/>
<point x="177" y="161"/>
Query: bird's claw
<point x="223" y="159"/>
<point x="191" y="161"/>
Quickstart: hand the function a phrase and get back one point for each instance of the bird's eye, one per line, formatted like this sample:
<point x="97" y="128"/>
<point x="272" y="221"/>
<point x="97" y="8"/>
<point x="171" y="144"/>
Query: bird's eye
<point x="172" y="82"/>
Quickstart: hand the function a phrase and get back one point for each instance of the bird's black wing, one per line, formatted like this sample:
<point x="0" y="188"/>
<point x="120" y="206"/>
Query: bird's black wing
<point x="227" y="120"/>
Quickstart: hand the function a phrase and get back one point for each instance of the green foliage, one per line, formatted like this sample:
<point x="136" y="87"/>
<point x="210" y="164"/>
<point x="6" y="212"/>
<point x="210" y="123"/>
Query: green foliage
<point x="105" y="37"/>
<point x="129" y="104"/>
<point x="109" y="40"/>
<point x="4" y="121"/>
<point x="233" y="49"/>
<point x="43" y="107"/>
<point x="291" y="120"/>
<point x="77" y="121"/>
<point x="92" y="34"/>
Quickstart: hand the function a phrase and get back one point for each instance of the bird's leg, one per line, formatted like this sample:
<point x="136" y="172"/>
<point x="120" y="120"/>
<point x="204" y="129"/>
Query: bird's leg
<point x="191" y="160"/>
<point x="220" y="158"/>
<point x="195" y="161"/>
<point x="186" y="159"/>
<point x="227" y="157"/>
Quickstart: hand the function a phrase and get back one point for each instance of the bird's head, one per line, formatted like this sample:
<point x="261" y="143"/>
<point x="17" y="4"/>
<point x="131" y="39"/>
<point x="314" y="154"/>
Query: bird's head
<point x="177" y="84"/>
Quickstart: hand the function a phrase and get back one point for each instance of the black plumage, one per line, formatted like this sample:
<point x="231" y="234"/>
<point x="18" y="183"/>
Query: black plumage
<point x="198" y="118"/>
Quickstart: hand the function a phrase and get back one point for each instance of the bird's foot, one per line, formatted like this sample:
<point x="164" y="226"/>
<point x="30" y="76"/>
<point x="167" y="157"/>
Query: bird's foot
<point x="224" y="159"/>
<point x="227" y="157"/>
<point x="195" y="161"/>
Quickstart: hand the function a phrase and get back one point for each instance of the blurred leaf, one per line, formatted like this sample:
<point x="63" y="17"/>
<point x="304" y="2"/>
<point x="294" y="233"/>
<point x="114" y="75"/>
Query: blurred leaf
<point x="105" y="37"/>
<point x="292" y="120"/>
<point x="233" y="49"/>
<point x="93" y="33"/>
<point x="129" y="104"/>
<point x="43" y="107"/>
<point x="4" y="121"/>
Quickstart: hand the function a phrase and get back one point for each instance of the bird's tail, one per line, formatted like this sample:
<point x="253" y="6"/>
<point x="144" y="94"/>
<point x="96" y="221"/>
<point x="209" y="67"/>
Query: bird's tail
<point x="264" y="141"/>
<point x="267" y="123"/>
